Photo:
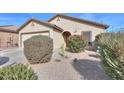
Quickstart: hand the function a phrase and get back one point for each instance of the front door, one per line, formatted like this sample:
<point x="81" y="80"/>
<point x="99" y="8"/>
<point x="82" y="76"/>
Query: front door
<point x="66" y="35"/>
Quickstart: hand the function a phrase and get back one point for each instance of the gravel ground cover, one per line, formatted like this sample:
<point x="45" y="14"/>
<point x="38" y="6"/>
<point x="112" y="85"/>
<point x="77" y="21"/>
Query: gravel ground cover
<point x="86" y="67"/>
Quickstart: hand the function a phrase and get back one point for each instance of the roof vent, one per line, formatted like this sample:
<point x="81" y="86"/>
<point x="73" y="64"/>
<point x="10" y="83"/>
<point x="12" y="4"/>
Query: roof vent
<point x="58" y="19"/>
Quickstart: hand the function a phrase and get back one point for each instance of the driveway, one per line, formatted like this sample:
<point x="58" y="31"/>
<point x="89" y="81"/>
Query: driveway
<point x="11" y="56"/>
<point x="86" y="67"/>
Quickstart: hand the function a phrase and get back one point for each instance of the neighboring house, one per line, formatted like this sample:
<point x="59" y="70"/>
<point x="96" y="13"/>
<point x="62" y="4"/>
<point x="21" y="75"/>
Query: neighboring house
<point x="8" y="36"/>
<point x="59" y="28"/>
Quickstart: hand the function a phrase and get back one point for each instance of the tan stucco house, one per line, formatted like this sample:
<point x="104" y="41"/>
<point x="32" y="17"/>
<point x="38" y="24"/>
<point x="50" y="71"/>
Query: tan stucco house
<point x="59" y="28"/>
<point x="8" y="36"/>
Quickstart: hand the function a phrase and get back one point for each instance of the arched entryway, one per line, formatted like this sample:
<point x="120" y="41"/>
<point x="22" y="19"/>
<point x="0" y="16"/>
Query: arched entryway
<point x="66" y="35"/>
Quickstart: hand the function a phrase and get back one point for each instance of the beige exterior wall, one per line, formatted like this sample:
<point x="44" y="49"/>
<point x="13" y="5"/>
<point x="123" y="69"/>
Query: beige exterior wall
<point x="36" y="27"/>
<point x="5" y="37"/>
<point x="73" y="26"/>
<point x="55" y="35"/>
<point x="57" y="38"/>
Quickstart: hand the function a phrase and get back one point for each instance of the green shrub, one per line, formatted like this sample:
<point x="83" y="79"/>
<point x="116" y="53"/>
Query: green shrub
<point x="76" y="43"/>
<point x="62" y="51"/>
<point x="17" y="72"/>
<point x="38" y="49"/>
<point x="112" y="54"/>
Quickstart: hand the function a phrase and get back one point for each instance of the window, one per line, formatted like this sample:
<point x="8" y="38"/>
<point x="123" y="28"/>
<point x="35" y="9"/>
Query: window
<point x="87" y="35"/>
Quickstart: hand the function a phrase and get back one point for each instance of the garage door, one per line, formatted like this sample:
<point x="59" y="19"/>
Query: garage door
<point x="29" y="35"/>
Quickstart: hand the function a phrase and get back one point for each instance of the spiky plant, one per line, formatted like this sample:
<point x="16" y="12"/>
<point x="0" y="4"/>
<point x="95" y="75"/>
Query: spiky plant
<point x="112" y="54"/>
<point x="17" y="72"/>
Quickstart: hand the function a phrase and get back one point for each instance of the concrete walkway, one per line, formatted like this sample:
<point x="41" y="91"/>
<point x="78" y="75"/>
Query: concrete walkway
<point x="86" y="67"/>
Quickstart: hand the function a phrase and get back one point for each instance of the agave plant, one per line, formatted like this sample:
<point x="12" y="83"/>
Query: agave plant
<point x="17" y="72"/>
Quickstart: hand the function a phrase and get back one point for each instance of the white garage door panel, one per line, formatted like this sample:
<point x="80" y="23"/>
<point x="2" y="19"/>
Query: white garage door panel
<point x="27" y="36"/>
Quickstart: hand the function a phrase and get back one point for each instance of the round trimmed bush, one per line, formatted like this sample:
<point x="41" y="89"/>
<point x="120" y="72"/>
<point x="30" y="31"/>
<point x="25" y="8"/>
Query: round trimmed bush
<point x="17" y="72"/>
<point x="38" y="49"/>
<point x="76" y="43"/>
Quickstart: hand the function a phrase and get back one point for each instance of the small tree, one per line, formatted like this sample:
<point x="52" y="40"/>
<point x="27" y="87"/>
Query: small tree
<point x="62" y="51"/>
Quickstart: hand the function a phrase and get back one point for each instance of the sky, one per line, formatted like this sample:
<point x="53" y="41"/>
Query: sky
<point x="114" y="20"/>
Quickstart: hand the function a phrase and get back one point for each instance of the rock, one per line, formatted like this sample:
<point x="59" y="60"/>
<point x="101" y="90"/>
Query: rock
<point x="75" y="60"/>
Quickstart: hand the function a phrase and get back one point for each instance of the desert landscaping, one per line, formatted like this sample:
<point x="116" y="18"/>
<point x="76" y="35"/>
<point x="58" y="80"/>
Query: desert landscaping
<point x="56" y="50"/>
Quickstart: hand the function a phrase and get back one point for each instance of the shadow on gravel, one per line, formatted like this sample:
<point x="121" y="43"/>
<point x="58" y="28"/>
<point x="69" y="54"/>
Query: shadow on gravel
<point x="90" y="70"/>
<point x="3" y="60"/>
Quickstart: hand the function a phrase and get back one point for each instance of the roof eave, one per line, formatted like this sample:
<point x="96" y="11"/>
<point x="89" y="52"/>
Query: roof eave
<point x="87" y="21"/>
<point x="49" y="25"/>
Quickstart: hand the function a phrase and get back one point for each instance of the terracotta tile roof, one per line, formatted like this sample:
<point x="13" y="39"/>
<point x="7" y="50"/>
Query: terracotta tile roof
<point x="80" y="20"/>
<point x="40" y="22"/>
